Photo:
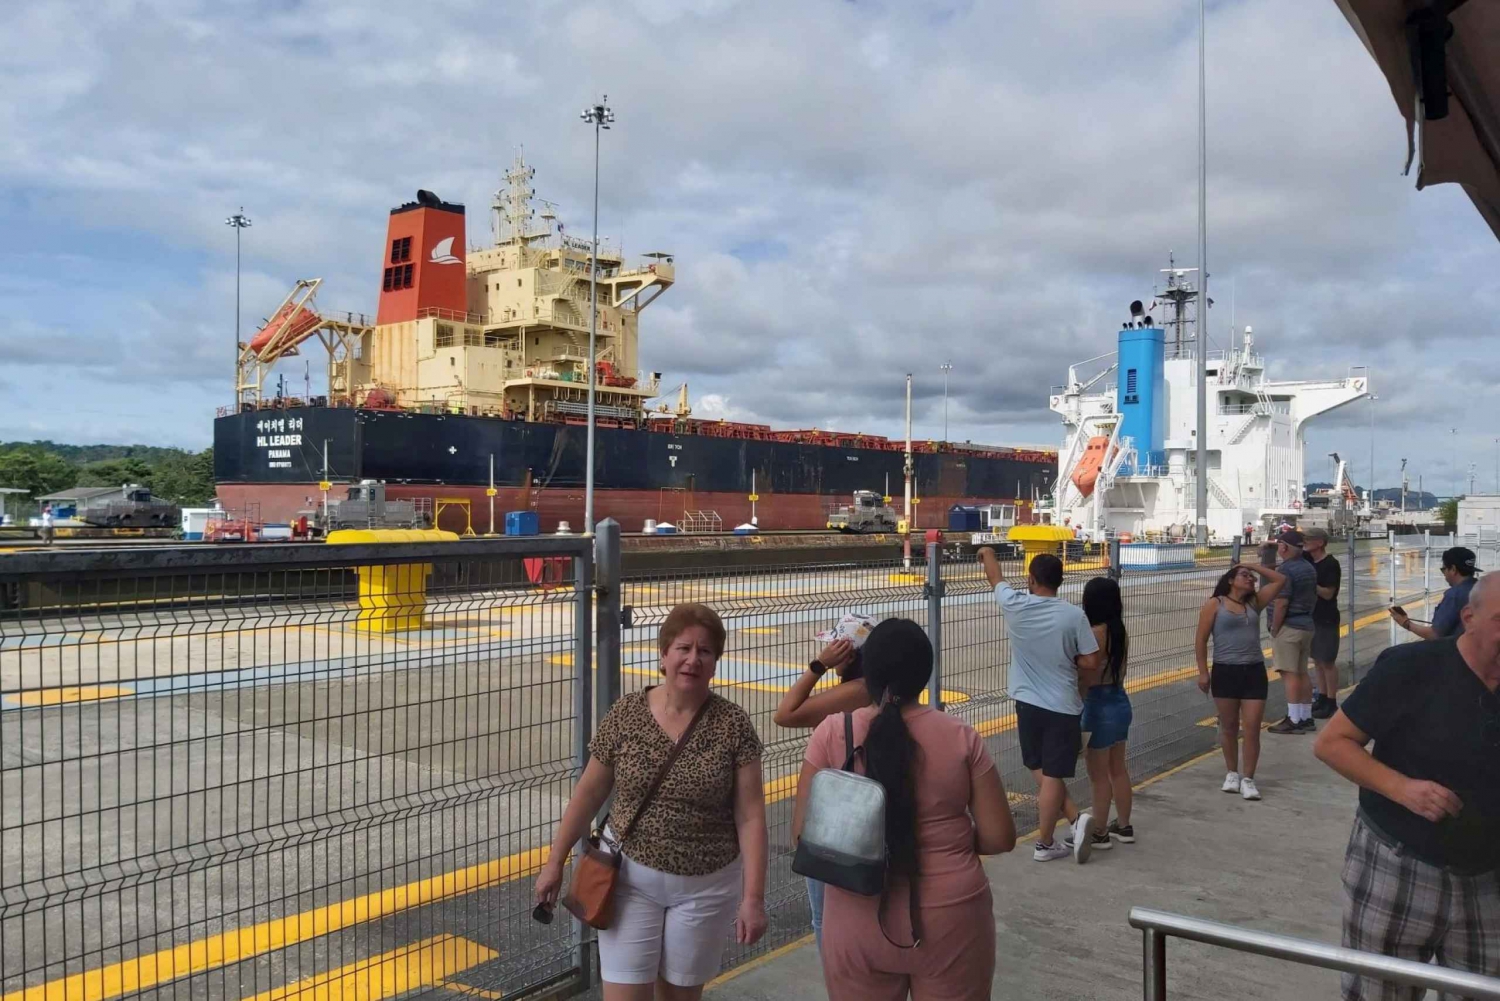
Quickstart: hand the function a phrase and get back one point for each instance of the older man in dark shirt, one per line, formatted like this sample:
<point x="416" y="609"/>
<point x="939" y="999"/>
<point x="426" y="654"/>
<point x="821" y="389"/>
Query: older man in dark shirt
<point x="1422" y="873"/>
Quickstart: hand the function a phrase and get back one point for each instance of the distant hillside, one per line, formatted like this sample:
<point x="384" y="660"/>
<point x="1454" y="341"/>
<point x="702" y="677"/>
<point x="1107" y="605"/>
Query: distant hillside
<point x="44" y="467"/>
<point x="1415" y="500"/>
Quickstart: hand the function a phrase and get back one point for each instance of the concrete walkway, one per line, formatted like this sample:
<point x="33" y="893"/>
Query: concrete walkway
<point x="1272" y="865"/>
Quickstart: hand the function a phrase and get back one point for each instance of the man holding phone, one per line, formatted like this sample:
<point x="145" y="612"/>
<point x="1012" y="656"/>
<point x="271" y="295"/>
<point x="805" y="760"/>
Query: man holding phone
<point x="1422" y="873"/>
<point x="1458" y="571"/>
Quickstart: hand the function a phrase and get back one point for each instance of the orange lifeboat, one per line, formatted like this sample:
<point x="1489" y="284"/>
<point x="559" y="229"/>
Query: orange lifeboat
<point x="293" y="322"/>
<point x="1086" y="473"/>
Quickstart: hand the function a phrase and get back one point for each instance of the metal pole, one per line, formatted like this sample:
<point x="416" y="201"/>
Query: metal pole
<point x="1153" y="965"/>
<point x="1370" y="497"/>
<point x="324" y="488"/>
<point x="609" y="617"/>
<point x="588" y="481"/>
<point x="1391" y="557"/>
<point x="492" y="493"/>
<point x="906" y="504"/>
<point x="1353" y="570"/>
<point x="934" y="591"/>
<point x="1234" y="549"/>
<point x="583" y="724"/>
<point x="1426" y="574"/>
<point x="1201" y="500"/>
<point x="237" y="231"/>
<point x="946" y="367"/>
<point x="1116" y="571"/>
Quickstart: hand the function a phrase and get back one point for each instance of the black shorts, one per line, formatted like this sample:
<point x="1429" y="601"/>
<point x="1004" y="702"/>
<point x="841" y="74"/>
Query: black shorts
<point x="1050" y="741"/>
<point x="1239" y="681"/>
<point x="1325" y="644"/>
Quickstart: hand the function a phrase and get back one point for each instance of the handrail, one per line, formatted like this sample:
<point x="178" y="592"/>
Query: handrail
<point x="1157" y="926"/>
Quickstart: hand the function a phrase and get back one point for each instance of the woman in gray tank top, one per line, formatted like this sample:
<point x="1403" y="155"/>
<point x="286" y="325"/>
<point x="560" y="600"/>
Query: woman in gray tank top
<point x="1231" y="618"/>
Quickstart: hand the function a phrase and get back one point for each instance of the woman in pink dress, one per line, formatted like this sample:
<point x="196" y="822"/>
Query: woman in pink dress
<point x="945" y="807"/>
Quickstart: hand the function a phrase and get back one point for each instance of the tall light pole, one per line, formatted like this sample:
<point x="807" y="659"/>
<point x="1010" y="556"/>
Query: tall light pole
<point x="600" y="117"/>
<point x="1459" y="482"/>
<point x="947" y="367"/>
<point x="1200" y="500"/>
<point x="1371" y="497"/>
<point x="1497" y="466"/>
<point x="240" y="222"/>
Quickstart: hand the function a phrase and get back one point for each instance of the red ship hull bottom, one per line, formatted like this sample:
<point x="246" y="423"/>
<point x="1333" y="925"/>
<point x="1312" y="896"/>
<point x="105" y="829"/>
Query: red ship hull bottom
<point x="282" y="503"/>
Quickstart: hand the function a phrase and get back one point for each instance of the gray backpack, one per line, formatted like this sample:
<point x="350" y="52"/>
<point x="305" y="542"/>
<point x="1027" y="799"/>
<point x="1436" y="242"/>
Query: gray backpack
<point x="843" y="834"/>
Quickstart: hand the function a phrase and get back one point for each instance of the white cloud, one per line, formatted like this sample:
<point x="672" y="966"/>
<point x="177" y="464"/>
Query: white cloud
<point x="852" y="192"/>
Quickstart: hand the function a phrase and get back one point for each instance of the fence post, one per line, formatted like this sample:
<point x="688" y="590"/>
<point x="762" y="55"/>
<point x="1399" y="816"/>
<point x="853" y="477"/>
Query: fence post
<point x="1154" y="964"/>
<point x="1391" y="556"/>
<point x="1115" y="569"/>
<point x="934" y="590"/>
<point x="1234" y="550"/>
<point x="1353" y="576"/>
<point x="609" y="615"/>
<point x="1426" y="574"/>
<point x="583" y="728"/>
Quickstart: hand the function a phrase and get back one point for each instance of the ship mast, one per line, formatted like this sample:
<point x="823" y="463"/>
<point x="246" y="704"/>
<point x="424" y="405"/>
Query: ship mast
<point x="1201" y="481"/>
<point x="511" y="211"/>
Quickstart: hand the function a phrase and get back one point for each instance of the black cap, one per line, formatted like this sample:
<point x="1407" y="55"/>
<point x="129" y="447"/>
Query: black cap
<point x="1460" y="558"/>
<point x="1291" y="537"/>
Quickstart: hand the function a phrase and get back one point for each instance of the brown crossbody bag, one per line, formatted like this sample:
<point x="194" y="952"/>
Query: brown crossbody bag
<point x="591" y="895"/>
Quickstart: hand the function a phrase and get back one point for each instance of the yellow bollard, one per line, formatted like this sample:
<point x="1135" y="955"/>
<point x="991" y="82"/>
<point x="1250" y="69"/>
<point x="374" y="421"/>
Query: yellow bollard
<point x="1037" y="539"/>
<point x="392" y="596"/>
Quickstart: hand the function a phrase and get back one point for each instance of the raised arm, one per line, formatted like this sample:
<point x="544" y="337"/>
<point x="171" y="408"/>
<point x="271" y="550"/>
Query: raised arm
<point x="800" y="708"/>
<point x="1274" y="581"/>
<point x="1422" y="629"/>
<point x="991" y="564"/>
<point x="1200" y="639"/>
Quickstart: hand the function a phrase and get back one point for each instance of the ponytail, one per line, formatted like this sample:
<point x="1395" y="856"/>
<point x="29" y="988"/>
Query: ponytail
<point x="889" y="760"/>
<point x="897" y="666"/>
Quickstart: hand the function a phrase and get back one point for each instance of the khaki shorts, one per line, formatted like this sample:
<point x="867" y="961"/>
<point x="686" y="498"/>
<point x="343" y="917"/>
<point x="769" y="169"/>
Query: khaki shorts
<point x="1290" y="649"/>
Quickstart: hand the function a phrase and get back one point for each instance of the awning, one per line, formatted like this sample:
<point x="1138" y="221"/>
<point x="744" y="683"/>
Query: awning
<point x="1442" y="61"/>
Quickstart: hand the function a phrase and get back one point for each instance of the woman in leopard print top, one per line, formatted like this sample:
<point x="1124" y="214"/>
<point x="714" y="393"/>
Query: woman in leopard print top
<point x="696" y="859"/>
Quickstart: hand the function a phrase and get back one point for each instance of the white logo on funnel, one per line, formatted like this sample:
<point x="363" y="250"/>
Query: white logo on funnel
<point x="442" y="252"/>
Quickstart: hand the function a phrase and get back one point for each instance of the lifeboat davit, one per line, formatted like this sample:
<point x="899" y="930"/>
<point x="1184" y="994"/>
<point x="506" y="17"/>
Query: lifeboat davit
<point x="1086" y="473"/>
<point x="293" y="322"/>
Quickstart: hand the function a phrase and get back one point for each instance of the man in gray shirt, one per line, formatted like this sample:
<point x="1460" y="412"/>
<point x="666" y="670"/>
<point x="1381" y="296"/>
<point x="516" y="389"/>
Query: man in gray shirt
<point x="1292" y="632"/>
<point x="1053" y="655"/>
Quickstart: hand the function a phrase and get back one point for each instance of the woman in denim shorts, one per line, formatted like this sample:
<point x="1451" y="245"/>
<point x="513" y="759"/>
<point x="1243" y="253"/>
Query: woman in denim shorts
<point x="1107" y="715"/>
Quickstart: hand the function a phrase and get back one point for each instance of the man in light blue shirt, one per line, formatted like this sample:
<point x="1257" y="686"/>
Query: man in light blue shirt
<point x="1053" y="657"/>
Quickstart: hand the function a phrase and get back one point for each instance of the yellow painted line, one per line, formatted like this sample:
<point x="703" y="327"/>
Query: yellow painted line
<point x="743" y="968"/>
<point x="469" y="991"/>
<point x="59" y="696"/>
<point x="144" y="972"/>
<point x="423" y="964"/>
<point x="762" y="630"/>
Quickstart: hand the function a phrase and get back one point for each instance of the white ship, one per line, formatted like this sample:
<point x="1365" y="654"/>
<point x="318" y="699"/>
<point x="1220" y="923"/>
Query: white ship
<point x="1128" y="459"/>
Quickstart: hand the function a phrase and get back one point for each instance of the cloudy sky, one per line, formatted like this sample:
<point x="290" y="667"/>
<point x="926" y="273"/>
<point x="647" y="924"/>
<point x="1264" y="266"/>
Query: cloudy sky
<point x="852" y="190"/>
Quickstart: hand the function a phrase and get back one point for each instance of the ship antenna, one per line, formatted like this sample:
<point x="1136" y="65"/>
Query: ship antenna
<point x="1201" y="482"/>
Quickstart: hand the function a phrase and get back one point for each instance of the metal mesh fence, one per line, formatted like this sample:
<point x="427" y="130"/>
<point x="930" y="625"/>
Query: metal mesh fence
<point x="247" y="779"/>
<point x="222" y="775"/>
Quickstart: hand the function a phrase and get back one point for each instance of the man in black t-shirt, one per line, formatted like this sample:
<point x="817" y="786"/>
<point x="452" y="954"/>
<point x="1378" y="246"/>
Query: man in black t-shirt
<point x="1422" y="874"/>
<point x="1325" y="644"/>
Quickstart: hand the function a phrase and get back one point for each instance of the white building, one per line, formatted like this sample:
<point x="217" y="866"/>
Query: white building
<point x="1479" y="518"/>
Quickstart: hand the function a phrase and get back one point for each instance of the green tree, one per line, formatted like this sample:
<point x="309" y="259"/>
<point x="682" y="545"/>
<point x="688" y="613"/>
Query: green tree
<point x="185" y="478"/>
<point x="1448" y="509"/>
<point x="35" y="471"/>
<point x="115" y="473"/>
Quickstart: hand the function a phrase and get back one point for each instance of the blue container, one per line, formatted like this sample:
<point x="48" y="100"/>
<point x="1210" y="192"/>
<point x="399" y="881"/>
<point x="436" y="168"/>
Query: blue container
<point x="963" y="519"/>
<point x="1140" y="399"/>
<point x="521" y="523"/>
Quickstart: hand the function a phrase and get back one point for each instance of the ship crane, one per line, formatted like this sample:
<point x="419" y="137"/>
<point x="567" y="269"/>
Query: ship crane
<point x="683" y="409"/>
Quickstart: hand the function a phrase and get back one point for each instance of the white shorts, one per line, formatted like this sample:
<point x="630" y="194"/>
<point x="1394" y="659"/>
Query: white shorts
<point x="672" y="927"/>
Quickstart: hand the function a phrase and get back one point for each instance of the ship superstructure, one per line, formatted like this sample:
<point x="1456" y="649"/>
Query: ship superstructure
<point x="1127" y="464"/>
<point x="470" y="384"/>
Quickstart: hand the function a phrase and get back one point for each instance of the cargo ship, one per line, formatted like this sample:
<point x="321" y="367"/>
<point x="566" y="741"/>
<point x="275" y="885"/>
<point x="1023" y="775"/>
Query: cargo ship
<point x="467" y="394"/>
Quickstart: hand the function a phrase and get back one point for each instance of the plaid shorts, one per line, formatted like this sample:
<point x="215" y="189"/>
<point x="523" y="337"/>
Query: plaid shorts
<point x="1400" y="906"/>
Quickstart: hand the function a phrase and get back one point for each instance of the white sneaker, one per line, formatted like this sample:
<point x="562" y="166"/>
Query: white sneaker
<point x="1231" y="782"/>
<point x="1049" y="853"/>
<point x="1248" y="790"/>
<point x="1083" y="838"/>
